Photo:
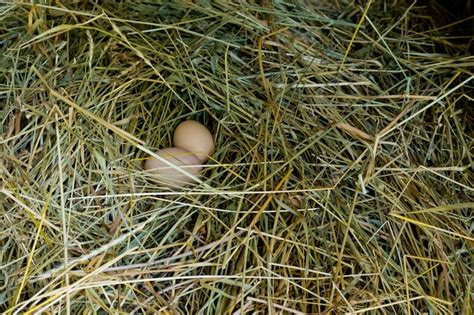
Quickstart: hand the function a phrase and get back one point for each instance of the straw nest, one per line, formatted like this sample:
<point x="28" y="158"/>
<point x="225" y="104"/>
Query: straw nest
<point x="342" y="180"/>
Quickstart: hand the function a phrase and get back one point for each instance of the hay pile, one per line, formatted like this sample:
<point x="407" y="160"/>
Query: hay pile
<point x="342" y="180"/>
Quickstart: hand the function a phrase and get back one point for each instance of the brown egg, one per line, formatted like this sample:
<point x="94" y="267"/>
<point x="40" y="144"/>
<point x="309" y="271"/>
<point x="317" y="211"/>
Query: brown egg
<point x="170" y="176"/>
<point x="194" y="137"/>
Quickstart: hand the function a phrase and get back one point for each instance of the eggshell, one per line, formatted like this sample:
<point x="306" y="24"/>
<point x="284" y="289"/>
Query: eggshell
<point x="170" y="176"/>
<point x="194" y="137"/>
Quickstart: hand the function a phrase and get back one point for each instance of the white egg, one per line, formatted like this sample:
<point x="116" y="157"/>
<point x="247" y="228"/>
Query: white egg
<point x="170" y="176"/>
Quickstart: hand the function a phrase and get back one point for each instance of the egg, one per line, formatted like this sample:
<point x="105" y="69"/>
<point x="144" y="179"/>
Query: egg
<point x="194" y="137"/>
<point x="170" y="176"/>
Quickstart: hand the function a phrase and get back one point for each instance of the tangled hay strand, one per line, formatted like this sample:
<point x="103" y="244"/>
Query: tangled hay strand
<point x="342" y="180"/>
